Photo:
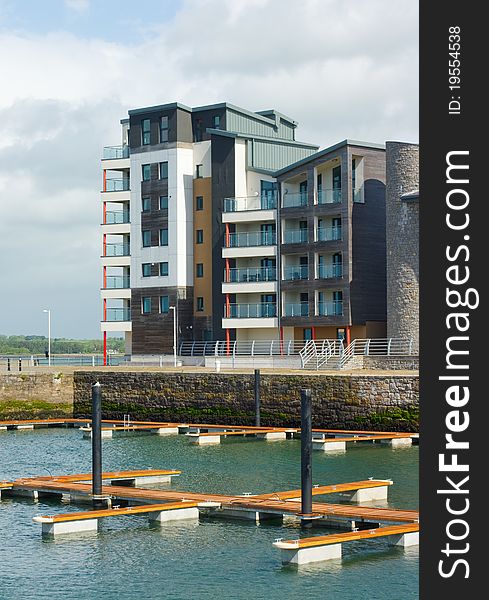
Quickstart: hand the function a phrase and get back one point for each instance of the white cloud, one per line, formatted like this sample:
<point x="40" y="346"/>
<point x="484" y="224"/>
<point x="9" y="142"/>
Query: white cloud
<point x="79" y="6"/>
<point x="340" y="69"/>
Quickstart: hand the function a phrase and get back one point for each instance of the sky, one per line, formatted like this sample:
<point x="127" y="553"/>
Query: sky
<point x="71" y="69"/>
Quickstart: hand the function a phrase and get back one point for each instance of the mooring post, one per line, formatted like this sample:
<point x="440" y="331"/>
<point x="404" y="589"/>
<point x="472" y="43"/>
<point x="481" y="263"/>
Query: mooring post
<point x="97" y="446"/>
<point x="8" y="364"/>
<point x="20" y="364"/>
<point x="306" y="456"/>
<point x="257" y="397"/>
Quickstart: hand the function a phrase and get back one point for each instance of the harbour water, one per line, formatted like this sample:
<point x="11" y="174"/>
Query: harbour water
<point x="211" y="559"/>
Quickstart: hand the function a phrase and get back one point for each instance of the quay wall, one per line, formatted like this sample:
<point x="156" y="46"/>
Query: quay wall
<point x="344" y="401"/>
<point x="36" y="395"/>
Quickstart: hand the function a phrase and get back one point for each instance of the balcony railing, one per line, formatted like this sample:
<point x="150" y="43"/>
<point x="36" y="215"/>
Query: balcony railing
<point x="330" y="271"/>
<point x="251" y="238"/>
<point x="251" y="274"/>
<point x="244" y="203"/>
<point x="250" y="311"/>
<point x="296" y="272"/>
<point x="117" y="250"/>
<point x="296" y="199"/>
<point x="111" y="152"/>
<point x="296" y="309"/>
<point x="330" y="309"/>
<point x="117" y="282"/>
<point x="295" y="236"/>
<point x="117" y="185"/>
<point x="113" y="217"/>
<point x="328" y="234"/>
<point x="118" y="314"/>
<point x="329" y="196"/>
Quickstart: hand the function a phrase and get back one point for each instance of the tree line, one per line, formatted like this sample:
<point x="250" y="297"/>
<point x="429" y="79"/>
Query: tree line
<point x="38" y="344"/>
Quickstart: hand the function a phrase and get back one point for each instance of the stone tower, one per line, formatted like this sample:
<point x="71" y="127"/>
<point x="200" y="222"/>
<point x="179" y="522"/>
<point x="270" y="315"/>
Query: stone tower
<point x="402" y="224"/>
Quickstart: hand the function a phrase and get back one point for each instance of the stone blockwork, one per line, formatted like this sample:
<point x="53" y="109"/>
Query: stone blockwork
<point x="31" y="395"/>
<point x="391" y="363"/>
<point x="339" y="401"/>
<point x="402" y="220"/>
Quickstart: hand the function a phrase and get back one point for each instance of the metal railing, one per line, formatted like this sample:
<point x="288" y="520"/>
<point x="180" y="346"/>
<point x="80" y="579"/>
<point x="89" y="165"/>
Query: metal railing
<point x="250" y="274"/>
<point x="292" y="273"/>
<point x="116" y="217"/>
<point x="328" y="234"/>
<point x="117" y="250"/>
<point x="250" y="311"/>
<point x="330" y="271"/>
<point x="317" y="352"/>
<point x="329" y="196"/>
<point x="330" y="309"/>
<point x="117" y="185"/>
<point x="74" y="360"/>
<point x="118" y="314"/>
<point x="296" y="309"/>
<point x="290" y="200"/>
<point x="251" y="238"/>
<point x="245" y="203"/>
<point x="111" y="152"/>
<point x="242" y="348"/>
<point x="117" y="282"/>
<point x="295" y="236"/>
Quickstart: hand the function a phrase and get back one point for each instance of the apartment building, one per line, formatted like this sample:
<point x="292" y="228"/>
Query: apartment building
<point x="183" y="196"/>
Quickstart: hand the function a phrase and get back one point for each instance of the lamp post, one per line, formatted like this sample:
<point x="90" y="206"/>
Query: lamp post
<point x="47" y="310"/>
<point x="173" y="308"/>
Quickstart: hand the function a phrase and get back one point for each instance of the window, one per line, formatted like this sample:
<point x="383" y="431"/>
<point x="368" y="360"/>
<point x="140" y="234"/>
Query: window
<point x="164" y="304"/>
<point x="146" y="238"/>
<point x="199" y="270"/>
<point x="145" y="132"/>
<point x="216" y="121"/>
<point x="146" y="269"/>
<point x="163" y="202"/>
<point x="146" y="172"/>
<point x="199" y="203"/>
<point x="163" y="237"/>
<point x="164" y="269"/>
<point x="146" y="202"/>
<point x="163" y="170"/>
<point x="199" y="171"/>
<point x="163" y="129"/>
<point x="146" y="305"/>
<point x="200" y="303"/>
<point x="199" y="234"/>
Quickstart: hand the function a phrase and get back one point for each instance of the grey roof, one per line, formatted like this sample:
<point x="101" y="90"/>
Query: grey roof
<point x="328" y="151"/>
<point x="250" y="136"/>
<point x="169" y="106"/>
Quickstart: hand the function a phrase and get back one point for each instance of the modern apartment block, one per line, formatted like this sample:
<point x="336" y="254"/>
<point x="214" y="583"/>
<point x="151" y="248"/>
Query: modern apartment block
<point x="217" y="220"/>
<point x="163" y="197"/>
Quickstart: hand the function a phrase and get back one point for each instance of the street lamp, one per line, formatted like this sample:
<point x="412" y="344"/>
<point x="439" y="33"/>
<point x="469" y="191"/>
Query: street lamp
<point x="173" y="308"/>
<point x="46" y="310"/>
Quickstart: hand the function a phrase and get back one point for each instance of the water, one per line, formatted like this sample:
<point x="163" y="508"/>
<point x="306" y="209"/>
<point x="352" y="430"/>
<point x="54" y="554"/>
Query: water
<point x="211" y="559"/>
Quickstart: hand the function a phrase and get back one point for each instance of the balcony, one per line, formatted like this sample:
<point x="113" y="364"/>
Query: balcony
<point x="249" y="203"/>
<point x="328" y="234"/>
<point x="295" y="272"/>
<point x="329" y="196"/>
<point x="330" y="309"/>
<point x="296" y="236"/>
<point x="250" y="275"/>
<point x="330" y="271"/>
<point x="116" y="217"/>
<point x="296" y="309"/>
<point x="115" y="152"/>
<point x="117" y="185"/>
<point x="248" y="239"/>
<point x="117" y="250"/>
<point x="293" y="200"/>
<point x="118" y="314"/>
<point x="261" y="310"/>
<point x="117" y="282"/>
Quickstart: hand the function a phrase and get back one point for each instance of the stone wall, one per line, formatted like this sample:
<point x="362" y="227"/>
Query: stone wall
<point x="32" y="395"/>
<point x="391" y="363"/>
<point x="339" y="401"/>
<point x="402" y="220"/>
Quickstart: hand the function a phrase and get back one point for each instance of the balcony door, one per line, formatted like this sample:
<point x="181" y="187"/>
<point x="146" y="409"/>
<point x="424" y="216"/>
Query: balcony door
<point x="337" y="264"/>
<point x="268" y="305"/>
<point x="267" y="231"/>
<point x="267" y="269"/>
<point x="303" y="192"/>
<point x="338" y="302"/>
<point x="337" y="183"/>
<point x="336" y="223"/>
<point x="268" y="194"/>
